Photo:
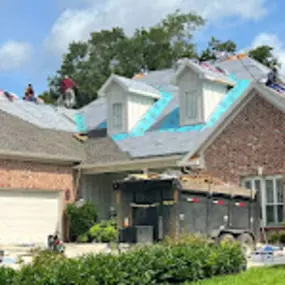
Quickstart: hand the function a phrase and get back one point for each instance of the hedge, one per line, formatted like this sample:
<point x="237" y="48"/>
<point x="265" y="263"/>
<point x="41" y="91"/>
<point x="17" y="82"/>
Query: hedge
<point x="158" y="264"/>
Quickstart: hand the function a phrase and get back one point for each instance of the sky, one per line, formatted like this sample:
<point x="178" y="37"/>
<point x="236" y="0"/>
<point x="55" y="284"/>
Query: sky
<point x="35" y="34"/>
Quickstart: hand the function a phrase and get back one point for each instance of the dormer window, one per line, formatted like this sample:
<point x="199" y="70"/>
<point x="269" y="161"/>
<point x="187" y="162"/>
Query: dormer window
<point x="117" y="116"/>
<point x="192" y="105"/>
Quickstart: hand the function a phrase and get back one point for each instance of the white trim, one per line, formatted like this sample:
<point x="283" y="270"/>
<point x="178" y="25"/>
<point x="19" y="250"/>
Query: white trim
<point x="264" y="204"/>
<point x="144" y="93"/>
<point x="137" y="164"/>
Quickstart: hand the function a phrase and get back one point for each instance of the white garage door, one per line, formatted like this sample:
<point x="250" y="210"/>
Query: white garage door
<point x="28" y="217"/>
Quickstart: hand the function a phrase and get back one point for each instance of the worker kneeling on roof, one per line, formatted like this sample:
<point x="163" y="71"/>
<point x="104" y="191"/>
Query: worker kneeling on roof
<point x="68" y="86"/>
<point x="30" y="94"/>
<point x="272" y="77"/>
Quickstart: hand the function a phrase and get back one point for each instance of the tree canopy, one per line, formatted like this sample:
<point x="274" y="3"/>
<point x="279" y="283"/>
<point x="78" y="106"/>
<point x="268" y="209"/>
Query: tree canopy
<point x="90" y="63"/>
<point x="112" y="51"/>
<point x="264" y="54"/>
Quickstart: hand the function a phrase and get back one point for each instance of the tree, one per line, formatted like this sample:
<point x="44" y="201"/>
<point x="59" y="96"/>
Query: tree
<point x="216" y="46"/>
<point x="264" y="54"/>
<point x="111" y="51"/>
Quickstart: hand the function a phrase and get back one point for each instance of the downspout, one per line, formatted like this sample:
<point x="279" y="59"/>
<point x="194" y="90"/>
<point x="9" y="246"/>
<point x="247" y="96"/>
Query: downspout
<point x="78" y="174"/>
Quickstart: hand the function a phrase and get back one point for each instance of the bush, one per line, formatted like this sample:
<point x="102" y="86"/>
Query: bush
<point x="84" y="238"/>
<point x="277" y="237"/>
<point x="104" y="232"/>
<point x="81" y="219"/>
<point x="158" y="264"/>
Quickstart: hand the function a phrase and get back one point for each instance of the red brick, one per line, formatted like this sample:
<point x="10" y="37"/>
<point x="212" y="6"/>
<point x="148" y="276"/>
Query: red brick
<point x="255" y="138"/>
<point x="37" y="176"/>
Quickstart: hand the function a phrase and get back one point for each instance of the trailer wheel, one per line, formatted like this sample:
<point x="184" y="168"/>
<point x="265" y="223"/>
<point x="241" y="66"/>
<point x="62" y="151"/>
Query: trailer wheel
<point x="226" y="238"/>
<point x="247" y="243"/>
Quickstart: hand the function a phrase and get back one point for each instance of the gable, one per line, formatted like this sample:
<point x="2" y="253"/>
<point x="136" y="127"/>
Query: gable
<point x="254" y="139"/>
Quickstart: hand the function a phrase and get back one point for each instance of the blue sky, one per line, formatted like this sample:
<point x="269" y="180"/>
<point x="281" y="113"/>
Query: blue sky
<point x="37" y="33"/>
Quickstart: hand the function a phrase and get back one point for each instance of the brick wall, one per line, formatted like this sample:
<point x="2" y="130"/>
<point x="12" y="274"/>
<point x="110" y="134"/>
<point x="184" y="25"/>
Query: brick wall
<point x="255" y="138"/>
<point x="38" y="176"/>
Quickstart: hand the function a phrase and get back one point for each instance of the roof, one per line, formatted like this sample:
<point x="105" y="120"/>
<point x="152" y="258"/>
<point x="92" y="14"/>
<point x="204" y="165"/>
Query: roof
<point x="245" y="68"/>
<point x="41" y="115"/>
<point x="24" y="139"/>
<point x="158" y="133"/>
<point x="103" y="150"/>
<point x="209" y="71"/>
<point x="130" y="85"/>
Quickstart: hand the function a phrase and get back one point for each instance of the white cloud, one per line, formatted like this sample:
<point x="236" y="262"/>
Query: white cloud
<point x="275" y="42"/>
<point x="76" y="24"/>
<point x="14" y="54"/>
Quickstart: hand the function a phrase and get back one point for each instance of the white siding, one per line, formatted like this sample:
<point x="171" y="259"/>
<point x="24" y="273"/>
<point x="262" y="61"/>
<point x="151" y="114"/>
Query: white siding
<point x="116" y="94"/>
<point x="137" y="107"/>
<point x="189" y="81"/>
<point x="213" y="93"/>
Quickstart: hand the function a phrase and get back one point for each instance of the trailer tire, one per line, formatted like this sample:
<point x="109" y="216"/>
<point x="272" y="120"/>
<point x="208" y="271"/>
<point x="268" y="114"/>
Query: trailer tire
<point x="226" y="238"/>
<point x="247" y="243"/>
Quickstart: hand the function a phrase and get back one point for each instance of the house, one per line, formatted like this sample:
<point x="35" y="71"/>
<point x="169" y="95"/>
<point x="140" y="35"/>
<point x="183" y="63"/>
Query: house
<point x="247" y="148"/>
<point x="141" y="129"/>
<point x="151" y="122"/>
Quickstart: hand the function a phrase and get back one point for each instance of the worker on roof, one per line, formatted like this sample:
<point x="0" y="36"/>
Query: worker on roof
<point x="272" y="77"/>
<point x="30" y="94"/>
<point x="68" y="86"/>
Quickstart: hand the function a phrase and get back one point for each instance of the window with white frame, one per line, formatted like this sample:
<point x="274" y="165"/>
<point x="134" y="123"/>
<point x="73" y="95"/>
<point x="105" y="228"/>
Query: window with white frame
<point x="117" y="116"/>
<point x="271" y="190"/>
<point x="192" y="105"/>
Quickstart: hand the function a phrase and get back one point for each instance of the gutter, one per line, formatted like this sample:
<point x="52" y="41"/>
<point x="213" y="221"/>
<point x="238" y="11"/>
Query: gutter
<point x="136" y="164"/>
<point x="40" y="157"/>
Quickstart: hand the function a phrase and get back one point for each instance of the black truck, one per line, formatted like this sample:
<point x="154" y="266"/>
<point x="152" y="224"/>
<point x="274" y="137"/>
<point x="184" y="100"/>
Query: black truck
<point x="148" y="210"/>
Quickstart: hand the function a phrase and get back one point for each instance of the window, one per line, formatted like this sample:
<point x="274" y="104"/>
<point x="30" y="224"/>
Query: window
<point x="272" y="197"/>
<point x="192" y="105"/>
<point x="117" y="116"/>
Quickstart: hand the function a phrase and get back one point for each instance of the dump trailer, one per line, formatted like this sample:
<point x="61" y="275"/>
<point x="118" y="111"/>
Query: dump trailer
<point x="150" y="209"/>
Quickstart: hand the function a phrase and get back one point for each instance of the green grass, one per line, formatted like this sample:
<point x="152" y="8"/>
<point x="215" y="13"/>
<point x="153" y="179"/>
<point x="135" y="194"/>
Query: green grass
<point x="255" y="276"/>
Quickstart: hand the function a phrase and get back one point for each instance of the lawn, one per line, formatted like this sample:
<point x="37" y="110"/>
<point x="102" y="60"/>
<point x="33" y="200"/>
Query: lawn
<point x="256" y="276"/>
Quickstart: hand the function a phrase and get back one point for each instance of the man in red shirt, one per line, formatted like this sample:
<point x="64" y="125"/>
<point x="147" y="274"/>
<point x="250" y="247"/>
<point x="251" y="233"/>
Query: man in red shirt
<point x="68" y="86"/>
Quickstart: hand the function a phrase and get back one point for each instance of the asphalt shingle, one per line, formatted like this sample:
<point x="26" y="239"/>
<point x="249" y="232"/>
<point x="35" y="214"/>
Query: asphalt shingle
<point x="20" y="136"/>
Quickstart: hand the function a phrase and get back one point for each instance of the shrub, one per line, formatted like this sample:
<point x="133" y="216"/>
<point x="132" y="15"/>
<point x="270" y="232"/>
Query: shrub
<point x="157" y="264"/>
<point x="83" y="238"/>
<point x="104" y="232"/>
<point x="81" y="219"/>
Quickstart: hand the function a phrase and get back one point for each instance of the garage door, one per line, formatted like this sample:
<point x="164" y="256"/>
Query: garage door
<point x="28" y="217"/>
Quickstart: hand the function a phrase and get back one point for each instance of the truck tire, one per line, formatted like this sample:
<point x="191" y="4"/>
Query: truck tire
<point x="247" y="243"/>
<point x="226" y="238"/>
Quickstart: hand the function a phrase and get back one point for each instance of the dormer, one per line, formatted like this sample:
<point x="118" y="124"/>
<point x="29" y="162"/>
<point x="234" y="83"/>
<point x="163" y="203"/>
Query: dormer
<point x="127" y="101"/>
<point x="200" y="91"/>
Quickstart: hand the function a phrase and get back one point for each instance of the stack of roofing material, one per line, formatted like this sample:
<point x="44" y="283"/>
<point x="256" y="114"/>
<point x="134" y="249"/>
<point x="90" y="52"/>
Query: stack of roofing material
<point x="8" y="95"/>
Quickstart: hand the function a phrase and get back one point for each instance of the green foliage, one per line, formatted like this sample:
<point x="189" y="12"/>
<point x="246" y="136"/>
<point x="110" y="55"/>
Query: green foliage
<point x="277" y="237"/>
<point x="105" y="231"/>
<point x="83" y="238"/>
<point x="159" y="264"/>
<point x="90" y="63"/>
<point x="7" y="276"/>
<point x="81" y="219"/>
<point x="215" y="46"/>
<point x="264" y="54"/>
